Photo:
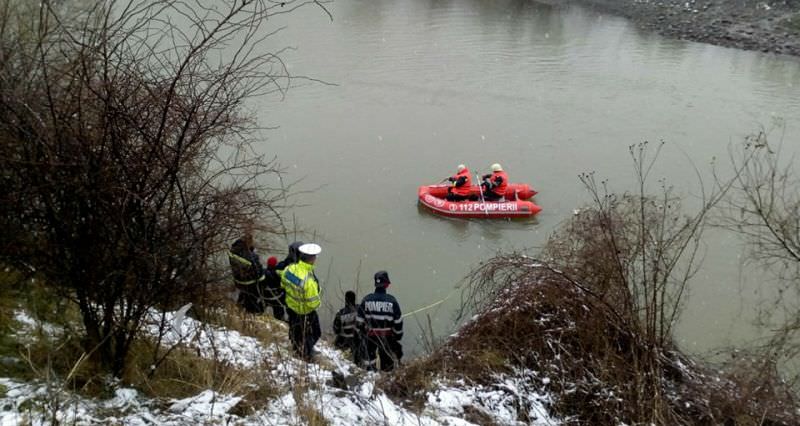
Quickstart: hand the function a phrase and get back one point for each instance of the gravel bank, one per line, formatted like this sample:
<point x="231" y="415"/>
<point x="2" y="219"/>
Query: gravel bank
<point x="767" y="26"/>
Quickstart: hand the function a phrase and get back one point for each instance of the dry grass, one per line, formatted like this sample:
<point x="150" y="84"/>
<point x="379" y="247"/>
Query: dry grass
<point x="415" y="379"/>
<point x="9" y="345"/>
<point x="183" y="373"/>
<point x="61" y="358"/>
<point x="565" y="333"/>
<point x="49" y="351"/>
<point x="308" y="410"/>
<point x="255" y="397"/>
<point x="227" y="314"/>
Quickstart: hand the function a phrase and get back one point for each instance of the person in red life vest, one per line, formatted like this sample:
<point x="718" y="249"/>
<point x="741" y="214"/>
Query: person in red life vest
<point x="462" y="182"/>
<point x="495" y="184"/>
<point x="380" y="320"/>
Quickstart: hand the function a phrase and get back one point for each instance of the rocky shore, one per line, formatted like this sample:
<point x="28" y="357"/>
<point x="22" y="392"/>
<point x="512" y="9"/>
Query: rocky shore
<point x="766" y="26"/>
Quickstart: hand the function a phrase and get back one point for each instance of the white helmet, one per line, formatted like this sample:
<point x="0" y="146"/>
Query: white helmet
<point x="310" y="249"/>
<point x="461" y="167"/>
<point x="497" y="167"/>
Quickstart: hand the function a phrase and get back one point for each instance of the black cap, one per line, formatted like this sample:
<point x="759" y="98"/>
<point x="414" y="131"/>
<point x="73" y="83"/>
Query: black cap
<point x="293" y="252"/>
<point x="381" y="278"/>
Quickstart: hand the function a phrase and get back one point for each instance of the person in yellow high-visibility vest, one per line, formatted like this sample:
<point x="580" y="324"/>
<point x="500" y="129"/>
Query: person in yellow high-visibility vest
<point x="302" y="300"/>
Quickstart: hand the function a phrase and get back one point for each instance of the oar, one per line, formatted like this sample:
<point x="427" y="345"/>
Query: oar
<point x="480" y="189"/>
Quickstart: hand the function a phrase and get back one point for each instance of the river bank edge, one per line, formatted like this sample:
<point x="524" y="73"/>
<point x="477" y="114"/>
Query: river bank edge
<point x="765" y="26"/>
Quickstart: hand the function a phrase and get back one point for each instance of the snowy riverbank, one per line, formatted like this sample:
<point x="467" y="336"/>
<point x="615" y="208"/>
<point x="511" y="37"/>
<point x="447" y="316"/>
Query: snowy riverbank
<point x="300" y="385"/>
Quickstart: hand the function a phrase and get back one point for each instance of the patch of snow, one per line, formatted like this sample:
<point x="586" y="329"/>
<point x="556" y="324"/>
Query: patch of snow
<point x="499" y="402"/>
<point x="29" y="324"/>
<point x="364" y="404"/>
<point x="206" y="404"/>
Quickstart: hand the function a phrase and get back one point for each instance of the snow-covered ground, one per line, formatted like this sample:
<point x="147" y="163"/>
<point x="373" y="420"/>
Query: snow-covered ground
<point x="41" y="403"/>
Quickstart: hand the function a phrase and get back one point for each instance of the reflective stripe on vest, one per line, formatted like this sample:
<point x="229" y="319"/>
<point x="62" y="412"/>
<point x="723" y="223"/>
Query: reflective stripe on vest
<point x="297" y="290"/>
<point x="244" y="262"/>
<point x="248" y="282"/>
<point x="348" y="323"/>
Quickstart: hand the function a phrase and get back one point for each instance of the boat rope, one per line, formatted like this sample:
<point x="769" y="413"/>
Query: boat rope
<point x="432" y="305"/>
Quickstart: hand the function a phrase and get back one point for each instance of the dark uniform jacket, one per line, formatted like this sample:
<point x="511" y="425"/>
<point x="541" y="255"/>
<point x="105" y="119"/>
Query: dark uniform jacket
<point x="248" y="275"/>
<point x="272" y="289"/>
<point x="245" y="264"/>
<point x="344" y="325"/>
<point x="379" y="315"/>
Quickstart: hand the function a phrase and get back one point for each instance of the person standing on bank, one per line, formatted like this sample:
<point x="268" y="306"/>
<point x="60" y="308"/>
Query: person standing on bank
<point x="272" y="292"/>
<point x="248" y="274"/>
<point x="302" y="300"/>
<point x="495" y="184"/>
<point x="381" y="321"/>
<point x="291" y="256"/>
<point x="344" y="327"/>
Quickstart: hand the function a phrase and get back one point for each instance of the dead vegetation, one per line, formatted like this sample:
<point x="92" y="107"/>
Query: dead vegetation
<point x="128" y="158"/>
<point x="574" y="345"/>
<point x="592" y="321"/>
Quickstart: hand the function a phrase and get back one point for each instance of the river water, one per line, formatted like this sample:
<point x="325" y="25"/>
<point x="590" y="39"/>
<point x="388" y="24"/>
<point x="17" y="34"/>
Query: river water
<point x="548" y="92"/>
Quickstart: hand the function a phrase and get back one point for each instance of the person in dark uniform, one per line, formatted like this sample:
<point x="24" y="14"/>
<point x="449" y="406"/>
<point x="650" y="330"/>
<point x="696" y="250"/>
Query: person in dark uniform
<point x="272" y="294"/>
<point x="381" y="321"/>
<point x="248" y="274"/>
<point x="291" y="257"/>
<point x="344" y="327"/>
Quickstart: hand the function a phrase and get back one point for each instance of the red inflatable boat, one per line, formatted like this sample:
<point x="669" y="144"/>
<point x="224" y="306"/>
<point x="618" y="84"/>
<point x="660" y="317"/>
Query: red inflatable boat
<point x="515" y="204"/>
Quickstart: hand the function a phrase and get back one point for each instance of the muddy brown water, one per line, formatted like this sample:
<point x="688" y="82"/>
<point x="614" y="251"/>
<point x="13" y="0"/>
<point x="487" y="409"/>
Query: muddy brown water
<point x="548" y="92"/>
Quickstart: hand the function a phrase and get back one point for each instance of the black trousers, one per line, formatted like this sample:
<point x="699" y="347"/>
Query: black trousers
<point x="304" y="331"/>
<point x="454" y="197"/>
<point x="355" y="345"/>
<point x="491" y="196"/>
<point x="388" y="349"/>
<point x="249" y="298"/>
<point x="278" y="305"/>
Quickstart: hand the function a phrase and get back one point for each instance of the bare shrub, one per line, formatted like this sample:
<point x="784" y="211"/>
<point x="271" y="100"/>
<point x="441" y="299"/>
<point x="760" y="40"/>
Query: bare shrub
<point x="602" y="317"/>
<point x="563" y="337"/>
<point x="763" y="208"/>
<point x="127" y="160"/>
<point x="754" y="389"/>
<point x="637" y="252"/>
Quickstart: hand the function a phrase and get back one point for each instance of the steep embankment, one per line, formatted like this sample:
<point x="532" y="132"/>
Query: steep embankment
<point x="767" y="26"/>
<point x="543" y="334"/>
<point x="261" y="384"/>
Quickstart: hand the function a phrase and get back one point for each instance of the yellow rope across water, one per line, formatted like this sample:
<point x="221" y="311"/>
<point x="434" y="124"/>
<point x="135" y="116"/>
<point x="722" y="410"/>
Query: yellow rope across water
<point x="432" y="305"/>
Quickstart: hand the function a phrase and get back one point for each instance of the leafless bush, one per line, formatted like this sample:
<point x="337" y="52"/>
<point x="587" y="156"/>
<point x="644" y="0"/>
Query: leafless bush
<point x="632" y="256"/>
<point x="563" y="337"/>
<point x="764" y="208"/>
<point x="127" y="160"/>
